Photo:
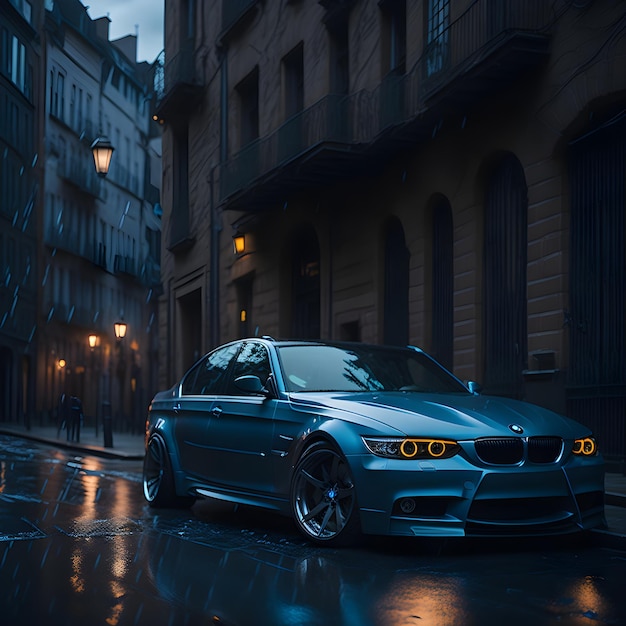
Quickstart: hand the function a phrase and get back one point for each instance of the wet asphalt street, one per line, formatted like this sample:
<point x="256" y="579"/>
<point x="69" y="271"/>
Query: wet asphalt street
<point x="79" y="547"/>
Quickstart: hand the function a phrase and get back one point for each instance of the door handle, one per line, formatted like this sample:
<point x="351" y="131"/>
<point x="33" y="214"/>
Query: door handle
<point x="176" y="408"/>
<point x="217" y="411"/>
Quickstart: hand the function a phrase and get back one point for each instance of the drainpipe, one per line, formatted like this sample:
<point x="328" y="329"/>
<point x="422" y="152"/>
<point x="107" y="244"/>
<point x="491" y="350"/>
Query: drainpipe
<point x="215" y="222"/>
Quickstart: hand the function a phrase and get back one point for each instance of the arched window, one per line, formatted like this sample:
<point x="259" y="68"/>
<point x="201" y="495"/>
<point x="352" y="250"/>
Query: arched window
<point x="396" y="301"/>
<point x="306" y="285"/>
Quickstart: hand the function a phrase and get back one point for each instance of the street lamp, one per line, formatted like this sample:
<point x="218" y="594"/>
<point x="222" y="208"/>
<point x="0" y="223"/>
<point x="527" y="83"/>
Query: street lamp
<point x="102" y="151"/>
<point x="120" y="327"/>
<point x="239" y="243"/>
<point x="120" y="330"/>
<point x="92" y="339"/>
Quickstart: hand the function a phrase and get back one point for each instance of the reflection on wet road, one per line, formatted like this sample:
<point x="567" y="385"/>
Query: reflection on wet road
<point x="79" y="547"/>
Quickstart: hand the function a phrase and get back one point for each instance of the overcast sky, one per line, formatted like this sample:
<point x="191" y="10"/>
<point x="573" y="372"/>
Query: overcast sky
<point x="129" y="17"/>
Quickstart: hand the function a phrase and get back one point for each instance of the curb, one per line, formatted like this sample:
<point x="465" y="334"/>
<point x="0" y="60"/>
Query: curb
<point x="108" y="453"/>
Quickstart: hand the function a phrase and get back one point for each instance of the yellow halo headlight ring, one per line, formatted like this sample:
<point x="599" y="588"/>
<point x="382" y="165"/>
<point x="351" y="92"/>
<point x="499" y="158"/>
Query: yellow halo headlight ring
<point x="437" y="448"/>
<point x="585" y="447"/>
<point x="409" y="448"/>
<point x="425" y="448"/>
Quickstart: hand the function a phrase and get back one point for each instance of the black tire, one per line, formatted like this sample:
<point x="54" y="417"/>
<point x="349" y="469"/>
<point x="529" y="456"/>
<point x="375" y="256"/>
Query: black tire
<point x="323" y="497"/>
<point x="158" y="480"/>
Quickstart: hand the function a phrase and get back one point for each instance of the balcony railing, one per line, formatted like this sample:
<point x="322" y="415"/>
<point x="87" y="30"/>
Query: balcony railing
<point x="326" y="121"/>
<point x="486" y="46"/>
<point x="124" y="265"/>
<point x="481" y="31"/>
<point x="99" y="255"/>
<point x="79" y="171"/>
<point x="66" y="240"/>
<point x="177" y="82"/>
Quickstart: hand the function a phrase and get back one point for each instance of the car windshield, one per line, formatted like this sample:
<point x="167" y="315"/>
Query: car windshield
<point x="363" y="368"/>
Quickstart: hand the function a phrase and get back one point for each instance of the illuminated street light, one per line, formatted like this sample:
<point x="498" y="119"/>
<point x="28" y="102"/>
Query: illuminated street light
<point x="102" y="152"/>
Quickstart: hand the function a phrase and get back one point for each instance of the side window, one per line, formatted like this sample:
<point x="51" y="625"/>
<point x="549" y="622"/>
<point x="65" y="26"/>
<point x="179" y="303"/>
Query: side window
<point x="253" y="360"/>
<point x="207" y="378"/>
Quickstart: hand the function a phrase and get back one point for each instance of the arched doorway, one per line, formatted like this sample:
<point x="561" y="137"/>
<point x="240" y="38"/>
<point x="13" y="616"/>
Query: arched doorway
<point x="596" y="378"/>
<point x="442" y="283"/>
<point x="305" y="255"/>
<point x="505" y="254"/>
<point x="396" y="289"/>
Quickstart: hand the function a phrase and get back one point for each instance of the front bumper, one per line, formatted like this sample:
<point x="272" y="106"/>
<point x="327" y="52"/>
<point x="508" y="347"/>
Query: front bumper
<point x="451" y="498"/>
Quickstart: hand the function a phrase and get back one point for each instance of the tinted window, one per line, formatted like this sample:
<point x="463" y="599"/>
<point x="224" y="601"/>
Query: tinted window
<point x="363" y="368"/>
<point x="253" y="360"/>
<point x="208" y="377"/>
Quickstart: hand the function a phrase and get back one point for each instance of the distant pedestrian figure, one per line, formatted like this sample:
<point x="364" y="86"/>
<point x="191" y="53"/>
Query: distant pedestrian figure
<point x="75" y="419"/>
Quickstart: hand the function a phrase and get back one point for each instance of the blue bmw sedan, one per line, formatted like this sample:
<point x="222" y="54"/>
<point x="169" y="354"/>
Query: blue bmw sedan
<point x="351" y="439"/>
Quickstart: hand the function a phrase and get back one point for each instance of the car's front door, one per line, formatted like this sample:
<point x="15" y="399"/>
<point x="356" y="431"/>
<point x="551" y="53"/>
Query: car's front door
<point x="240" y="431"/>
<point x="193" y="409"/>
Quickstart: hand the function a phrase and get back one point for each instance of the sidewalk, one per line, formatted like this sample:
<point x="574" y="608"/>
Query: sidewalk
<point x="127" y="446"/>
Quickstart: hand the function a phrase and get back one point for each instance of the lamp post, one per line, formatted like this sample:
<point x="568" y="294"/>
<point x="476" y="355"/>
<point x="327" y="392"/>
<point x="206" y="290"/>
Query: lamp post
<point x="102" y="152"/>
<point x="120" y="328"/>
<point x="92" y="339"/>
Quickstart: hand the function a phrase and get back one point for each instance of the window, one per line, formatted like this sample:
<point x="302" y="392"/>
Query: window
<point x="293" y="65"/>
<point x="248" y="92"/>
<point x="437" y="35"/>
<point x="57" y="96"/>
<point x="339" y="60"/>
<point x="73" y="106"/>
<point x="13" y="59"/>
<point x="208" y="376"/>
<point x="253" y="360"/>
<point x="394" y="36"/>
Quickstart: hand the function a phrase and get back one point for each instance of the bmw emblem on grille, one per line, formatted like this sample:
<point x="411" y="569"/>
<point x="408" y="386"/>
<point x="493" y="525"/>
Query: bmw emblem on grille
<point x="518" y="430"/>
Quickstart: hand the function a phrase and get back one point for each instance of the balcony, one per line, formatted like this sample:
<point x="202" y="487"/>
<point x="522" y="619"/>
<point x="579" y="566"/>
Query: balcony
<point x="235" y="14"/>
<point x="126" y="265"/>
<point x="99" y="255"/>
<point x="312" y="146"/>
<point x="486" y="48"/>
<point x="78" y="170"/>
<point x="177" y="84"/>
<point x="66" y="240"/>
<point x="151" y="273"/>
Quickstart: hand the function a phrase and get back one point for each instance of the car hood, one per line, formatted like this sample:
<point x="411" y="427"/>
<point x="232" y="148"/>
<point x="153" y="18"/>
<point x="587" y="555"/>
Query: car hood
<point x="461" y="416"/>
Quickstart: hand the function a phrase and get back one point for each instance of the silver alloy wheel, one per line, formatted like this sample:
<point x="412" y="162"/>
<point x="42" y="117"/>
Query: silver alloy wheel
<point x="323" y="494"/>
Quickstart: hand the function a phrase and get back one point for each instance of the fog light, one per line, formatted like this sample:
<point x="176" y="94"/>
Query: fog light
<point x="407" y="505"/>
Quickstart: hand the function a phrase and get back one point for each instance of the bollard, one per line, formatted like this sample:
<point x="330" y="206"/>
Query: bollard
<point x="107" y="424"/>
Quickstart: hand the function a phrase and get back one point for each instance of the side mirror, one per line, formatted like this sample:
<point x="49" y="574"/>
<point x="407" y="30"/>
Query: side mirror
<point x="474" y="387"/>
<point x="251" y="385"/>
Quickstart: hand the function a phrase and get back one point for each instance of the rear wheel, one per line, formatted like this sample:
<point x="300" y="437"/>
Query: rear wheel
<point x="323" y="497"/>
<point x="158" y="479"/>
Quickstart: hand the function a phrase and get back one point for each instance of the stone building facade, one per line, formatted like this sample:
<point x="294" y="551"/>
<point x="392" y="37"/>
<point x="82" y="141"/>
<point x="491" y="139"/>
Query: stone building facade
<point x="77" y="252"/>
<point x="21" y="92"/>
<point x="445" y="173"/>
<point x="100" y="236"/>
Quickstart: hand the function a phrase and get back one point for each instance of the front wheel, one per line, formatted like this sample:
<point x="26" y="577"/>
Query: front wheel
<point x="158" y="479"/>
<point x="323" y="497"/>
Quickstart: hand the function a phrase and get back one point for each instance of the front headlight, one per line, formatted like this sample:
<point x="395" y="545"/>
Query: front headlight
<point x="585" y="447"/>
<point x="411" y="448"/>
